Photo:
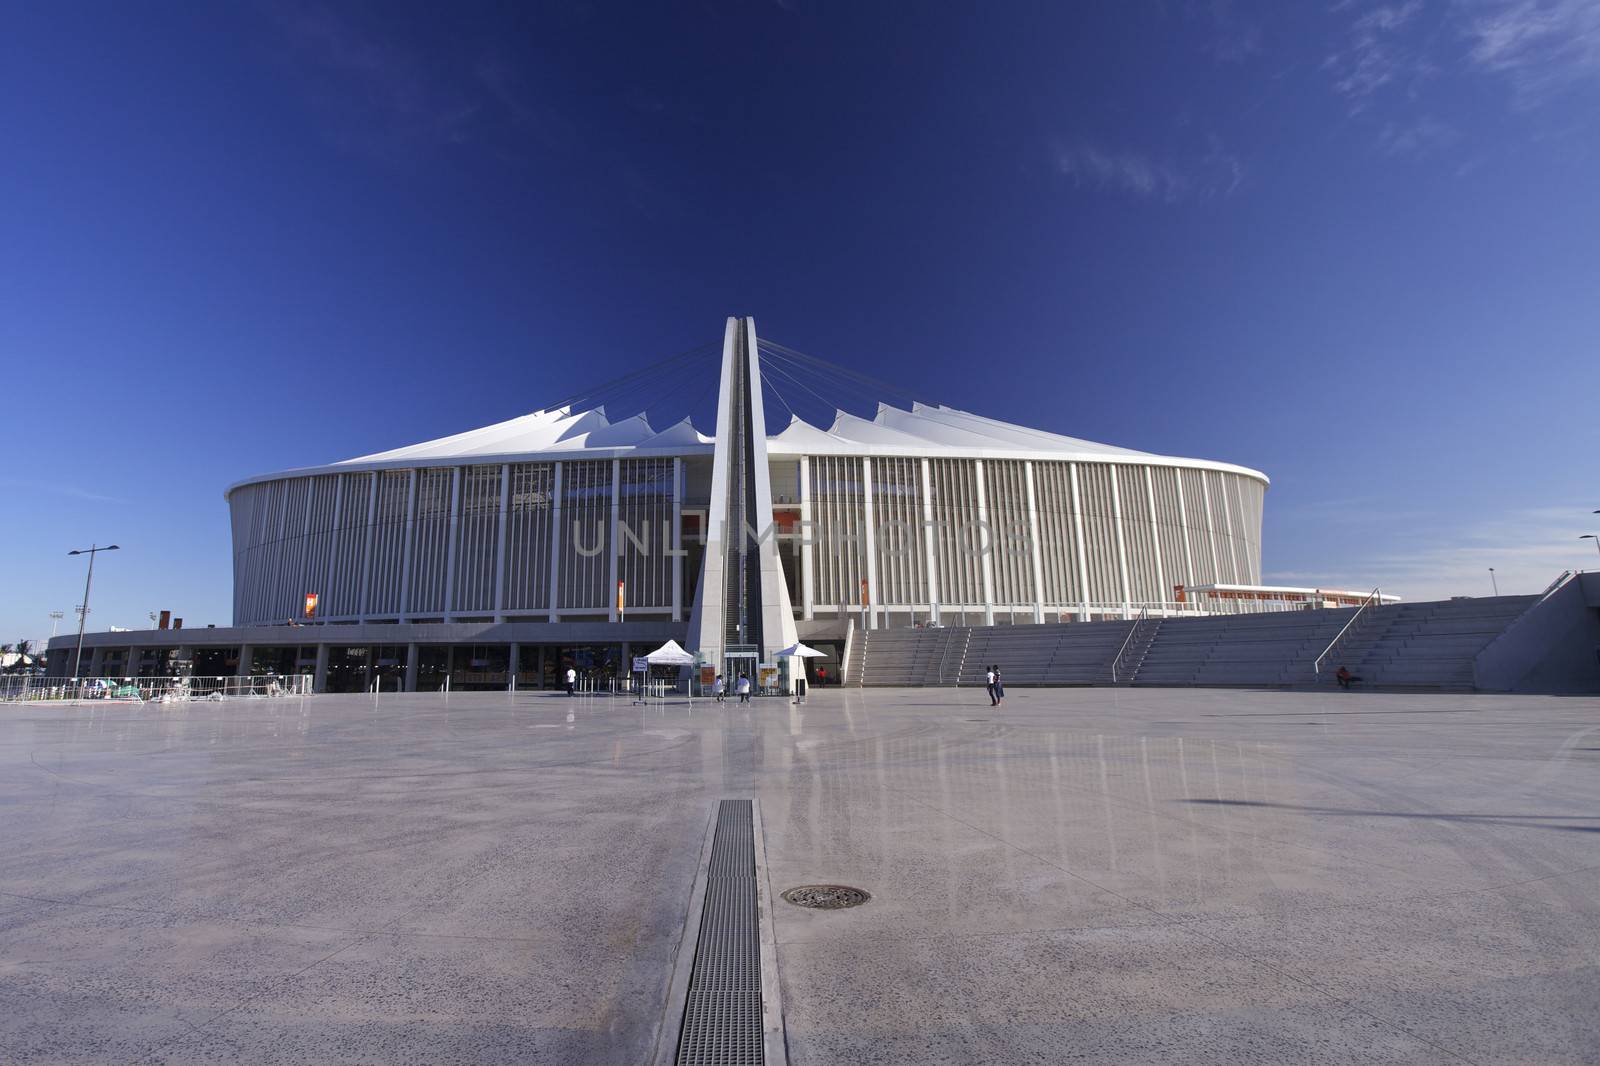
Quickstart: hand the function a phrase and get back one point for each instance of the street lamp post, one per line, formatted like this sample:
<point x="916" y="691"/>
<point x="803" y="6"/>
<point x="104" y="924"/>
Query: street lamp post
<point x="1493" y="582"/>
<point x="83" y="612"/>
<point x="1591" y="536"/>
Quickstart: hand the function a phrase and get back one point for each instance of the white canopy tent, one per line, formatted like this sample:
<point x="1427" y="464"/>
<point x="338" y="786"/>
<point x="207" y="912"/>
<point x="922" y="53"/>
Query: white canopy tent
<point x="800" y="651"/>
<point x="670" y="654"/>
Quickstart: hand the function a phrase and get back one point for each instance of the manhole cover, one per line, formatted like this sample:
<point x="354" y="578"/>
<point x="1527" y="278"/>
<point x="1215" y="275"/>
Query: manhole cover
<point x="826" y="897"/>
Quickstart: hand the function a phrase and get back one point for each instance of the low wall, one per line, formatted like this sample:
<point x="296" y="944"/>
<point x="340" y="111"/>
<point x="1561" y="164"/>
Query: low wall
<point x="1554" y="648"/>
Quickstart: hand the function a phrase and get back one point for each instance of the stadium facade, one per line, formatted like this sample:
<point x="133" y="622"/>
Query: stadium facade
<point x="564" y="538"/>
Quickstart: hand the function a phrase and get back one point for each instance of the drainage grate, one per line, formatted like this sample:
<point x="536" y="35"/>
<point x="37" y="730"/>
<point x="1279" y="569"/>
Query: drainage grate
<point x="722" y="1019"/>
<point x="826" y="897"/>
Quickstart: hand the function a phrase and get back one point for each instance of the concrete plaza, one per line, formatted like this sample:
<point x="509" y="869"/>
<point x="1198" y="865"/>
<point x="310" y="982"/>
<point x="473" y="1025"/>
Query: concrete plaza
<point x="1087" y="875"/>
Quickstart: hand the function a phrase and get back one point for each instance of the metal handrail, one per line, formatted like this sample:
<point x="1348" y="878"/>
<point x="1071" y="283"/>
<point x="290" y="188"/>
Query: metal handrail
<point x="944" y="653"/>
<point x="1550" y="590"/>
<point x="1125" y="642"/>
<point x="966" y="645"/>
<point x="1316" y="665"/>
<point x="1566" y="575"/>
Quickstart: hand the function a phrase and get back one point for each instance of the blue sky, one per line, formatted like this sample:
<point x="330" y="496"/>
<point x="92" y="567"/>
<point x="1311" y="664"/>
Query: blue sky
<point x="1354" y="245"/>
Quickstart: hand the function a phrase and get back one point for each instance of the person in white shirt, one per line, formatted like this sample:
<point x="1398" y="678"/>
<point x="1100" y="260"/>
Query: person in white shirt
<point x="719" y="689"/>
<point x="988" y="684"/>
<point x="742" y="687"/>
<point x="572" y="680"/>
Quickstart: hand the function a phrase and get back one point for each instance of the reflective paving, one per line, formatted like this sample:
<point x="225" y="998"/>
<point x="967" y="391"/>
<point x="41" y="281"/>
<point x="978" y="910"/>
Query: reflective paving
<point x="1082" y="876"/>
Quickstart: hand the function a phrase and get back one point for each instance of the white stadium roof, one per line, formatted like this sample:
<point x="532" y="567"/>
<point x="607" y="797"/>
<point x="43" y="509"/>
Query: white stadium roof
<point x="924" y="430"/>
<point x="581" y="428"/>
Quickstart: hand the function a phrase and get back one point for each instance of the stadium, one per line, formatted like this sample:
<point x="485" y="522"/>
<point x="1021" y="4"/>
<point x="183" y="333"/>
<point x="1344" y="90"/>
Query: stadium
<point x="817" y="503"/>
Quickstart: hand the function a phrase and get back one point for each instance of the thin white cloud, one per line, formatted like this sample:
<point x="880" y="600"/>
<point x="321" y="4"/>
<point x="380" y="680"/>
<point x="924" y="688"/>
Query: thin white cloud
<point x="1543" y="47"/>
<point x="1540" y="48"/>
<point x="70" y="491"/>
<point x="1375" y="55"/>
<point x="1527" y="549"/>
<point x="1236" y="36"/>
<point x="1421" y="136"/>
<point x="1093" y="166"/>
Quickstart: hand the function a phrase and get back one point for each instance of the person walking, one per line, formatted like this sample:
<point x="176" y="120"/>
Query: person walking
<point x="572" y="680"/>
<point x="719" y="689"/>
<point x="988" y="685"/>
<point x="999" y="687"/>
<point x="743" y="689"/>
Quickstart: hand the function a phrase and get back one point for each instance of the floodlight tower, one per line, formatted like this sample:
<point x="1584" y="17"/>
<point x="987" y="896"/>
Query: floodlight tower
<point x="83" y="608"/>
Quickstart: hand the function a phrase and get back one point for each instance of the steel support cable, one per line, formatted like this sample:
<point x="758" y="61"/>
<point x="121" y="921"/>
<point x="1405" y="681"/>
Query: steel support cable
<point x="663" y="403"/>
<point x="614" y="384"/>
<point x="799" y="374"/>
<point x="794" y="379"/>
<point x="671" y="362"/>
<point x="645" y="397"/>
<point x="799" y="371"/>
<point x="1038" y="434"/>
<point x="778" y="395"/>
<point x="865" y="379"/>
<point x="654" y="393"/>
<point x="853" y="390"/>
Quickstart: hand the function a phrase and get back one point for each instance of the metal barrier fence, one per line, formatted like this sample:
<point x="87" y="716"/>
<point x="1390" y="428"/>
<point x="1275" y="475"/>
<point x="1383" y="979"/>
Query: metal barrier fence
<point x="151" y="689"/>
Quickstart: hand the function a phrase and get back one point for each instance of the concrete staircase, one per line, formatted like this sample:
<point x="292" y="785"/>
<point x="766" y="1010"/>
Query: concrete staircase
<point x="1412" y="645"/>
<point x="1423" y="645"/>
<point x="1056" y="654"/>
<point x="910" y="657"/>
<point x="1246" y="649"/>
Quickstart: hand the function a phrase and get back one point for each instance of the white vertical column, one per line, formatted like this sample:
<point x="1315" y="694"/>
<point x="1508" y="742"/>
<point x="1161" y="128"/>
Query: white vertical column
<point x="555" y="544"/>
<point x="1211" y="525"/>
<point x="1227" y="520"/>
<point x="305" y="549"/>
<point x="335" y="541"/>
<point x="677" y="539"/>
<point x="366" y="556"/>
<point x="1155" y="534"/>
<point x="1183" y="525"/>
<point x="500" y="544"/>
<point x="1034" y="546"/>
<point x="1122" y="540"/>
<point x="452" y="539"/>
<point x="1081" y="548"/>
<point x="616" y="548"/>
<point x="808" y="605"/>
<point x="872" y="553"/>
<point x="986" y="560"/>
<point x="405" y="551"/>
<point x="928" y="541"/>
